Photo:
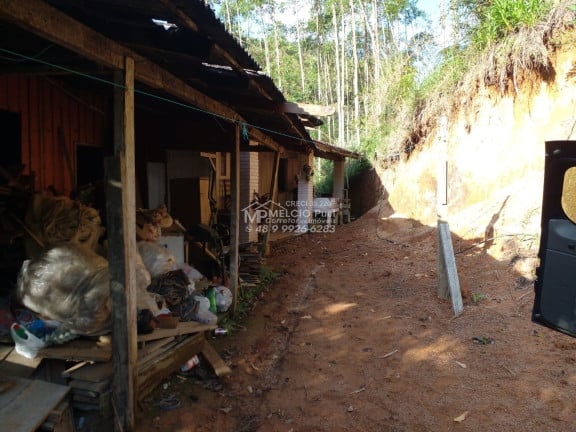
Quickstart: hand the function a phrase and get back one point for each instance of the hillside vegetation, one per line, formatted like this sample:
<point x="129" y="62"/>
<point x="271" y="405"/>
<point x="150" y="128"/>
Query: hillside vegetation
<point x="462" y="107"/>
<point x="482" y="143"/>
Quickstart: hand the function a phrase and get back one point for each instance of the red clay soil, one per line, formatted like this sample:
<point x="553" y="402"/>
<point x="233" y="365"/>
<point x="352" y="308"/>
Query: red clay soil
<point x="353" y="337"/>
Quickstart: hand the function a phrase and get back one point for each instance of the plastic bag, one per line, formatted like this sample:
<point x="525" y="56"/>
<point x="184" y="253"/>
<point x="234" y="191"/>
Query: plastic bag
<point x="144" y="299"/>
<point x="193" y="274"/>
<point x="223" y="298"/>
<point x="157" y="259"/>
<point x="202" y="313"/>
<point x="70" y="284"/>
<point x="25" y="343"/>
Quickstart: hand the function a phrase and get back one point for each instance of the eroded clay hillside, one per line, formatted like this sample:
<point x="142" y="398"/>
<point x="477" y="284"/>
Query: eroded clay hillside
<point x="487" y="160"/>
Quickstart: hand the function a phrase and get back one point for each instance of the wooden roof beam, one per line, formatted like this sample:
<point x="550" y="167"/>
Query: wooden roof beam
<point x="46" y="21"/>
<point x="237" y="67"/>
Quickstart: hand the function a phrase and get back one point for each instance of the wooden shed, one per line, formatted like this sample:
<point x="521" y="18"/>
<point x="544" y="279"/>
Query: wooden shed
<point x="109" y="91"/>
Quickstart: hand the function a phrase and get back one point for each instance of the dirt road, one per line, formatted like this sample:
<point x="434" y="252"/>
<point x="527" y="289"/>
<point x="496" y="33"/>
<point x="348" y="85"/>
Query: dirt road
<point x="353" y="337"/>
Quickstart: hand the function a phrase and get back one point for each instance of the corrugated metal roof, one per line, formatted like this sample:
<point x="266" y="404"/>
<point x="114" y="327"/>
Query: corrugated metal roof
<point x="193" y="45"/>
<point x="328" y="151"/>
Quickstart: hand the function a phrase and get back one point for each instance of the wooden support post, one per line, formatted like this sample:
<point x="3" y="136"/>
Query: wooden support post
<point x="274" y="199"/>
<point x="235" y="219"/>
<point x="121" y="222"/>
<point x="448" y="283"/>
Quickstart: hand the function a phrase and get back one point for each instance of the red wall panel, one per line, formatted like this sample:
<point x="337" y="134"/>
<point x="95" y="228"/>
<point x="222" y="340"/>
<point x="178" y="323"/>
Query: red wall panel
<point x="45" y="106"/>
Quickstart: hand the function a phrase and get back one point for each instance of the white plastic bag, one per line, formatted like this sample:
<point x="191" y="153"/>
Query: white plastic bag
<point x="157" y="259"/>
<point x="223" y="298"/>
<point x="193" y="274"/>
<point x="25" y="343"/>
<point x="203" y="313"/>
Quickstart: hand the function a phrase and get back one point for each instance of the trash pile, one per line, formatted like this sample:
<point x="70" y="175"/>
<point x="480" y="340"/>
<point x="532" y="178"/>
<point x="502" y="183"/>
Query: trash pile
<point x="65" y="282"/>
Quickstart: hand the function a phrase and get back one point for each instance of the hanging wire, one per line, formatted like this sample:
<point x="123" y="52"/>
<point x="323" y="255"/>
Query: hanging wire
<point x="244" y="125"/>
<point x="21" y="59"/>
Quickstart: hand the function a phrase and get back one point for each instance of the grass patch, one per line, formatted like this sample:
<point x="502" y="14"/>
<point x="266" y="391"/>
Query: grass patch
<point x="510" y="45"/>
<point x="477" y="298"/>
<point x="500" y="18"/>
<point x="247" y="300"/>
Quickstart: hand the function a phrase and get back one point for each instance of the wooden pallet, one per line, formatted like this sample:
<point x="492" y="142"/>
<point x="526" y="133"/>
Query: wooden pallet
<point x="89" y="379"/>
<point x="26" y="404"/>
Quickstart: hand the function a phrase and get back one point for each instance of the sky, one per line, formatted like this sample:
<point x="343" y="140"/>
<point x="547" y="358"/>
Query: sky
<point x="431" y="7"/>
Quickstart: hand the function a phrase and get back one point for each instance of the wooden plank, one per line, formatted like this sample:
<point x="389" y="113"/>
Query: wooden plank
<point x="94" y="373"/>
<point x="448" y="283"/>
<point x="185" y="327"/>
<point x="60" y="419"/>
<point x="24" y="119"/>
<point x="91" y="396"/>
<point x="17" y="365"/>
<point x="219" y="366"/>
<point x="274" y="198"/>
<point x="94" y="387"/>
<point x="121" y="215"/>
<point x="101" y="404"/>
<point x="85" y="398"/>
<point x="51" y="370"/>
<point x="78" y="350"/>
<point x="46" y="21"/>
<point x="25" y="406"/>
<point x="5" y="351"/>
<point x="153" y="346"/>
<point x="34" y="109"/>
<point x="49" y="158"/>
<point x="68" y="372"/>
<point x="144" y="360"/>
<point x="169" y="362"/>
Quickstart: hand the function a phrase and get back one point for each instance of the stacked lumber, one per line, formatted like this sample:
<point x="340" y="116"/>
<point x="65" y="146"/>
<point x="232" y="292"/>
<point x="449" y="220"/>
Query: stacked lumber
<point x="250" y="265"/>
<point x="61" y="419"/>
<point x="90" y="385"/>
<point x="250" y="262"/>
<point x="89" y="379"/>
<point x="162" y="352"/>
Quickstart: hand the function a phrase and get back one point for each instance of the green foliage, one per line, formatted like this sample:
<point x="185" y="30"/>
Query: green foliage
<point x="396" y="99"/>
<point x="267" y="276"/>
<point x="500" y="18"/>
<point x="323" y="185"/>
<point x="477" y="297"/>
<point x="374" y="140"/>
<point x="447" y="75"/>
<point x="249" y="295"/>
<point x="357" y="166"/>
<point x="387" y="88"/>
<point x="323" y="179"/>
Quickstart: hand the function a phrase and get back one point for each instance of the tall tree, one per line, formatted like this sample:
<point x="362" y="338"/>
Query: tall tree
<point x="355" y="71"/>
<point x="340" y="54"/>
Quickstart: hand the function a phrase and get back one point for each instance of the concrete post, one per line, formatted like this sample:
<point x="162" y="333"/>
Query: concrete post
<point x="305" y="194"/>
<point x="338" y="181"/>
<point x="249" y="182"/>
